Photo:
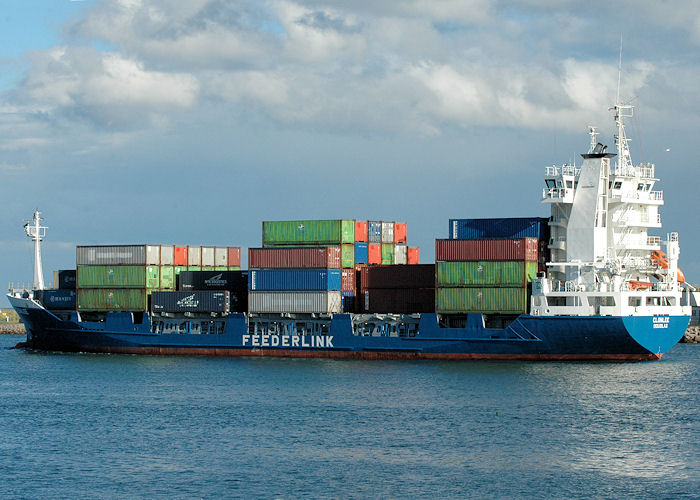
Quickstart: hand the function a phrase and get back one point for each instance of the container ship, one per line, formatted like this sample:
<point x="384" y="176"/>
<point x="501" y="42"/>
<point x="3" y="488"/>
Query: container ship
<point x="586" y="283"/>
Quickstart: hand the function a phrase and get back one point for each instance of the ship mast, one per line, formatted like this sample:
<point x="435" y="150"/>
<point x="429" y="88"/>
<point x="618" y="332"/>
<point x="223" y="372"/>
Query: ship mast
<point x="36" y="232"/>
<point x="624" y="159"/>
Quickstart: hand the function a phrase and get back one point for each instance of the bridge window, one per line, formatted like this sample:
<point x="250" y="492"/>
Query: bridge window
<point x="661" y="301"/>
<point x="605" y="301"/>
<point x="635" y="301"/>
<point x="554" y="301"/>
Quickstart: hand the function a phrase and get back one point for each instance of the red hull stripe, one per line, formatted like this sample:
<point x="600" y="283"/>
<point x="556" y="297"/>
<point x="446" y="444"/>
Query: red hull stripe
<point x="373" y="355"/>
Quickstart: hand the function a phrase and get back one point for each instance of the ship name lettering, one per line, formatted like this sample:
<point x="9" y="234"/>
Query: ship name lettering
<point x="287" y="340"/>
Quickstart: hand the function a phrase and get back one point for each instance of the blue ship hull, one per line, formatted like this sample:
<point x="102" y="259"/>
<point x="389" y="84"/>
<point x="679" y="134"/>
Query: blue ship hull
<point x="525" y="338"/>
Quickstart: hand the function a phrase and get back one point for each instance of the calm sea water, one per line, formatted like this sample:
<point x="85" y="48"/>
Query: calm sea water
<point x="119" y="426"/>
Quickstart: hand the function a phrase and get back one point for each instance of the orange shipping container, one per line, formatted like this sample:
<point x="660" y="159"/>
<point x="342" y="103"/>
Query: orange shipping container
<point x="400" y="230"/>
<point x="234" y="256"/>
<point x="361" y="230"/>
<point x="374" y="253"/>
<point x="180" y="256"/>
<point x="413" y="256"/>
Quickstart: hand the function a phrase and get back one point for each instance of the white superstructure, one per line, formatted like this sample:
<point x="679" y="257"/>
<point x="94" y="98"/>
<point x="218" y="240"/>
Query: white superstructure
<point x="603" y="261"/>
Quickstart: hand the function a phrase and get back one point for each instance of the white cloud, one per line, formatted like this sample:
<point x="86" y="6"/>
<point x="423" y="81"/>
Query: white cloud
<point x="360" y="66"/>
<point x="106" y="88"/>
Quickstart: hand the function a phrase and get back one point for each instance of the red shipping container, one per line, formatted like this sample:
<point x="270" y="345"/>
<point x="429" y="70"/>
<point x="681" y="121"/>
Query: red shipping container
<point x="361" y="277"/>
<point x="234" y="256"/>
<point x="294" y="257"/>
<point x="413" y="256"/>
<point x="374" y="253"/>
<point x="347" y="280"/>
<point x="361" y="228"/>
<point x="180" y="257"/>
<point x="469" y="250"/>
<point x="400" y="229"/>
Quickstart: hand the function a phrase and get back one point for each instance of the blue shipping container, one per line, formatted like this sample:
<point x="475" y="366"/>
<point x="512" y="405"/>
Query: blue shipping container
<point x="507" y="228"/>
<point x="58" y="299"/>
<point x="374" y="231"/>
<point x="361" y="253"/>
<point x="294" y="279"/>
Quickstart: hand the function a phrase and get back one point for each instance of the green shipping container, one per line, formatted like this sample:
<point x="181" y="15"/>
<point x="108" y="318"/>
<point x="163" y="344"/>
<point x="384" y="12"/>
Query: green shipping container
<point x="220" y="268"/>
<point x="179" y="269"/>
<point x="111" y="277"/>
<point x="234" y="268"/>
<point x="387" y="253"/>
<point x="194" y="268"/>
<point x="347" y="256"/>
<point x="112" y="299"/>
<point x="207" y="268"/>
<point x="509" y="300"/>
<point x="308" y="232"/>
<point x="494" y="273"/>
<point x="152" y="277"/>
<point x="167" y="278"/>
<point x="348" y="232"/>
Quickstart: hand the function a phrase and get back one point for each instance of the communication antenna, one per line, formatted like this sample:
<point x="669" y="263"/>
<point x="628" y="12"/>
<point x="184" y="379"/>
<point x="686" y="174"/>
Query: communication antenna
<point x="619" y="74"/>
<point x="36" y="232"/>
<point x="624" y="160"/>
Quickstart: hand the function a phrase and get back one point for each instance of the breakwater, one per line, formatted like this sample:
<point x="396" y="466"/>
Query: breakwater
<point x="692" y="335"/>
<point x="11" y="328"/>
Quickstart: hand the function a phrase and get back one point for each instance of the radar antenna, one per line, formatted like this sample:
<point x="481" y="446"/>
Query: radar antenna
<point x="36" y="232"/>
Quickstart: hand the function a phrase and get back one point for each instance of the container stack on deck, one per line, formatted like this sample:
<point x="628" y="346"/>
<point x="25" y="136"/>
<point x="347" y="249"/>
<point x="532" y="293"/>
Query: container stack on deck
<point x="400" y="289"/>
<point x="506" y="228"/>
<point x="62" y="296"/>
<point x="121" y="278"/>
<point x="487" y="265"/>
<point x="310" y="266"/>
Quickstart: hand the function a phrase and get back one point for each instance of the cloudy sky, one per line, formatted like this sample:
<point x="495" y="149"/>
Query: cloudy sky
<point x="134" y="121"/>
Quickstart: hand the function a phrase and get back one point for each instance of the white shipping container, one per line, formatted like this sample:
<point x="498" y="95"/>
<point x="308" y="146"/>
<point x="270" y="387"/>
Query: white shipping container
<point x="400" y="254"/>
<point x="221" y="256"/>
<point x="111" y="255"/>
<point x="167" y="255"/>
<point x="208" y="256"/>
<point x="194" y="256"/>
<point x="294" y="302"/>
<point x="387" y="232"/>
<point x="153" y="255"/>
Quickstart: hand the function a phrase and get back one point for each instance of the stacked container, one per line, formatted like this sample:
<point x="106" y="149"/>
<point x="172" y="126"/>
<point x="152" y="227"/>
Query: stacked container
<point x="122" y="277"/>
<point x="506" y="228"/>
<point x="345" y="245"/>
<point x="235" y="283"/>
<point x="489" y="275"/>
<point x="116" y="278"/>
<point x="401" y="289"/>
<point x="298" y="279"/>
